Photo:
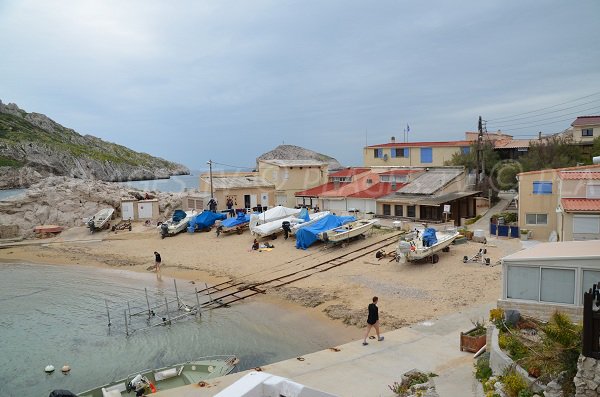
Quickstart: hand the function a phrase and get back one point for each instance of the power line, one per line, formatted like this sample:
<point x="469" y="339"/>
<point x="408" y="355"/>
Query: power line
<point x="530" y="127"/>
<point x="545" y="108"/>
<point x="554" y="111"/>
<point x="534" y="121"/>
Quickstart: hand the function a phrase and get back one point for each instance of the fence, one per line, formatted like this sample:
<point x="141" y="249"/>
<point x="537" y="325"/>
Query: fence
<point x="591" y="322"/>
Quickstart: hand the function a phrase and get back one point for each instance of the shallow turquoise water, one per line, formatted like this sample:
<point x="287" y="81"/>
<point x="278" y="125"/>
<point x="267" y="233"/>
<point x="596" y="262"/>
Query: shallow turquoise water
<point x="57" y="315"/>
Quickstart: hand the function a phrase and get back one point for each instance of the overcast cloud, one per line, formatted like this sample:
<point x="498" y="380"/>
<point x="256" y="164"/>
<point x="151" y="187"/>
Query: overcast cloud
<point x="230" y="80"/>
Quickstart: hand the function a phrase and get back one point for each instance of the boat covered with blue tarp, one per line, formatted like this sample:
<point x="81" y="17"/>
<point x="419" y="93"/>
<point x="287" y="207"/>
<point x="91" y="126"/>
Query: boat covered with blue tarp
<point x="306" y="236"/>
<point x="205" y="220"/>
<point x="237" y="224"/>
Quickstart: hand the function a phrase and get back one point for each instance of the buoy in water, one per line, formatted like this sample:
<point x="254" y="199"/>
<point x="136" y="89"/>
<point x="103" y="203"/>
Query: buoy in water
<point x="65" y="368"/>
<point x="49" y="368"/>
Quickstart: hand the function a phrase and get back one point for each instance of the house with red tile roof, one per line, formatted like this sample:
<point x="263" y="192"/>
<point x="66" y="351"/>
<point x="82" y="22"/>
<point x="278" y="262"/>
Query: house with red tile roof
<point x="564" y="200"/>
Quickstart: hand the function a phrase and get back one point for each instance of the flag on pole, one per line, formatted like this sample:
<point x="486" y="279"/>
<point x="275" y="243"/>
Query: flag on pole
<point x="407" y="128"/>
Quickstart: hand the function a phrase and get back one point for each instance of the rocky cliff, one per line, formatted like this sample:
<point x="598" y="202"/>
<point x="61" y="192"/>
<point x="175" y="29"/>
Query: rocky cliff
<point x="68" y="201"/>
<point x="291" y="152"/>
<point x="32" y="146"/>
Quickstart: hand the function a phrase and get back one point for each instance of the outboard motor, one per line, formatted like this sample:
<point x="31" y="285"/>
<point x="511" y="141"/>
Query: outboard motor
<point x="164" y="230"/>
<point x="285" y="225"/>
<point x="91" y="225"/>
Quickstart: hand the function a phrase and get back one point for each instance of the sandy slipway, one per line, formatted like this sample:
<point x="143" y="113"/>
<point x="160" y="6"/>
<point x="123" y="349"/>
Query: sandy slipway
<point x="408" y="293"/>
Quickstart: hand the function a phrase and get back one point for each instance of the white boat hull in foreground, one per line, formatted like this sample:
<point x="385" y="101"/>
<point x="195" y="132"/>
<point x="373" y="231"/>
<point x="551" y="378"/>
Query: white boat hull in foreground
<point x="414" y="250"/>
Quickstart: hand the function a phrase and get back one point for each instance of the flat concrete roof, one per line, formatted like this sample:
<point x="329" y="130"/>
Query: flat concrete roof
<point x="560" y="250"/>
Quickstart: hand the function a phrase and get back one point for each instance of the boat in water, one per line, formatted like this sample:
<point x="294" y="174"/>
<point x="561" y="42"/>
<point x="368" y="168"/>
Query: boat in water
<point x="425" y="245"/>
<point x="177" y="224"/>
<point x="100" y="220"/>
<point x="155" y="380"/>
<point x="347" y="231"/>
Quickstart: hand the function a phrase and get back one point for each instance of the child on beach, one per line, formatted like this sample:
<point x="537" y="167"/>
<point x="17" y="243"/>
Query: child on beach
<point x="157" y="261"/>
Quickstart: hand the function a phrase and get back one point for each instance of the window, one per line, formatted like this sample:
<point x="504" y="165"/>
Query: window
<point x="378" y="153"/>
<point x="426" y="155"/>
<point x="592" y="191"/>
<point x="387" y="209"/>
<point x="399" y="210"/>
<point x="411" y="211"/>
<point x="586" y="224"/>
<point x="536" y="219"/>
<point x="384" y="178"/>
<point x="465" y="150"/>
<point x="587" y="132"/>
<point x="540" y="187"/>
<point x="523" y="282"/>
<point x="399" y="152"/>
<point x="558" y="285"/>
<point x="590" y="277"/>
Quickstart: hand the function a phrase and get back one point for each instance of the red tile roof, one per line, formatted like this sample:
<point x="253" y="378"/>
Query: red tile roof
<point x="512" y="143"/>
<point x="400" y="172"/>
<point x="586" y="120"/>
<point x="575" y="204"/>
<point x="580" y="175"/>
<point x="377" y="190"/>
<point x="349" y="172"/>
<point x="317" y="190"/>
<point x="421" y="144"/>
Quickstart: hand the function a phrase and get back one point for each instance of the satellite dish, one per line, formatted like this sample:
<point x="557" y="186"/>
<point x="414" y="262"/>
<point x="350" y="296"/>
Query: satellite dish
<point x="385" y="157"/>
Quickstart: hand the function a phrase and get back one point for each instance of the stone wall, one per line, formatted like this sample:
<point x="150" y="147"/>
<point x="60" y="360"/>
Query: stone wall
<point x="542" y="311"/>
<point x="9" y="231"/>
<point x="587" y="380"/>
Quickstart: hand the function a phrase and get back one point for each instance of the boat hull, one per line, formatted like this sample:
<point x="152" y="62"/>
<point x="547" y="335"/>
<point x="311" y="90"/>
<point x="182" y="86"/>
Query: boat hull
<point x="420" y="252"/>
<point x="347" y="231"/>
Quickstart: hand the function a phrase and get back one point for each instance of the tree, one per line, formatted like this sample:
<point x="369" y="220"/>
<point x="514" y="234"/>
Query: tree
<point x="596" y="147"/>
<point x="553" y="152"/>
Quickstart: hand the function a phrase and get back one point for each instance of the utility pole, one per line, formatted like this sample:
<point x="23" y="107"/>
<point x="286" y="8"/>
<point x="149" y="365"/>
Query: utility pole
<point x="212" y="195"/>
<point x="479" y="140"/>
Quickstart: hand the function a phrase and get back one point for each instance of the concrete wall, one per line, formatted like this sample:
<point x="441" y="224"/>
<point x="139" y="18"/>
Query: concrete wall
<point x="542" y="311"/>
<point x="440" y="154"/>
<point x="237" y="195"/>
<point x="530" y="203"/>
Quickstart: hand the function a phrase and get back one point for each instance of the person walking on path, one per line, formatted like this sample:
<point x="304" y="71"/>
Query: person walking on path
<point x="373" y="321"/>
<point x="157" y="261"/>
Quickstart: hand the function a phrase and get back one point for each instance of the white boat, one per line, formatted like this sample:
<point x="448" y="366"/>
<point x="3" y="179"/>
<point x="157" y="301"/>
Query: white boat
<point x="177" y="224"/>
<point x="347" y="231"/>
<point x="271" y="215"/>
<point x="156" y="380"/>
<point x="262" y="384"/>
<point x="271" y="228"/>
<point x="101" y="220"/>
<point x="299" y="223"/>
<point x="414" y="248"/>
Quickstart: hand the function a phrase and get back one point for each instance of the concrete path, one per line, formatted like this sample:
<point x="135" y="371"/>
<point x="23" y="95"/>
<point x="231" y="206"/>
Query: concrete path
<point x="366" y="371"/>
<point x="484" y="222"/>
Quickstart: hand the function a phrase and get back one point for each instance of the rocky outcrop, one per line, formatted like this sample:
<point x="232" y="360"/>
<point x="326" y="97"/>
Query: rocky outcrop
<point x="69" y="201"/>
<point x="33" y="146"/>
<point x="291" y="152"/>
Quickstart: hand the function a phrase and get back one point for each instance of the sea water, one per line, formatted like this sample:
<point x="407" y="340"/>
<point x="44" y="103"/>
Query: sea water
<point x="178" y="183"/>
<point x="57" y="315"/>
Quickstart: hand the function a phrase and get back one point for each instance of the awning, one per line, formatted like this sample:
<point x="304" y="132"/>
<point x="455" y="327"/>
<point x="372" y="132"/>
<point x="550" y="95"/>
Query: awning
<point x="431" y="200"/>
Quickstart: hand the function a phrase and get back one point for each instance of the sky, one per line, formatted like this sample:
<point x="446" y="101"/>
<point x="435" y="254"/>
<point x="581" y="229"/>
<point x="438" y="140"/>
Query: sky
<point x="227" y="80"/>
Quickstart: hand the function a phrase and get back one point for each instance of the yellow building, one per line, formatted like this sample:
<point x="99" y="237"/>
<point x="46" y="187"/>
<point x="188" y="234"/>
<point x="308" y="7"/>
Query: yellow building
<point x="291" y="176"/>
<point x="585" y="129"/>
<point x="542" y="202"/>
<point x="413" y="154"/>
<point x="247" y="190"/>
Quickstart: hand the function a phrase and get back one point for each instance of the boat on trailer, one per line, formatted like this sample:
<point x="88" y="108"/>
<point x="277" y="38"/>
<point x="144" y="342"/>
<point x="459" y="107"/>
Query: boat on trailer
<point x="100" y="220"/>
<point x="177" y="224"/>
<point x="347" y="231"/>
<point x="425" y="245"/>
<point x="155" y="380"/>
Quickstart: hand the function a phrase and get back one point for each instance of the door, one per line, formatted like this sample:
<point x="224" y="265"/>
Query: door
<point x="281" y="199"/>
<point x="127" y="210"/>
<point x="264" y="199"/>
<point x="145" y="210"/>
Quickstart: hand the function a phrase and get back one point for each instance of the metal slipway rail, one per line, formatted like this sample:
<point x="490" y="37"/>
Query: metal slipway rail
<point x="229" y="291"/>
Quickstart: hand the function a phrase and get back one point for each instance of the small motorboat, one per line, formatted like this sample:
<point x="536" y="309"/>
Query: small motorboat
<point x="177" y="224"/>
<point x="347" y="231"/>
<point x="424" y="245"/>
<point x="152" y="381"/>
<point x="237" y="224"/>
<point x="299" y="223"/>
<point x="101" y="220"/>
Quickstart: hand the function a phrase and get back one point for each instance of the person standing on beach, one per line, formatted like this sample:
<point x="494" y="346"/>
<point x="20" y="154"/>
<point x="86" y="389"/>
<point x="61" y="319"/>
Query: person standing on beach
<point x="157" y="260"/>
<point x="373" y="321"/>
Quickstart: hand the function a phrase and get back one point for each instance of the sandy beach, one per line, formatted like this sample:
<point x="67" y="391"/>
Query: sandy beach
<point x="408" y="293"/>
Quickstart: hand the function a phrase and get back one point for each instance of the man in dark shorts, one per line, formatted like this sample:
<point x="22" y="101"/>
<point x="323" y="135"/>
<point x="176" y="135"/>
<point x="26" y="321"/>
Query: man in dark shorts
<point x="157" y="261"/>
<point x="373" y="320"/>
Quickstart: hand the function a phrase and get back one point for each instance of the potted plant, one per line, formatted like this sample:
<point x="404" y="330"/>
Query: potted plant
<point x="474" y="339"/>
<point x="524" y="234"/>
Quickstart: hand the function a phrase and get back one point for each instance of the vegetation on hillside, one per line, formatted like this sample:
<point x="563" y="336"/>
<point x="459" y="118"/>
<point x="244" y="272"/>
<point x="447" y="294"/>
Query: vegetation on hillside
<point x="16" y="130"/>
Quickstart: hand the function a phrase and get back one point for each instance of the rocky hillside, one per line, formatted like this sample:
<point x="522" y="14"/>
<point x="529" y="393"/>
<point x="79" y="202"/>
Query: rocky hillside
<point x="68" y="201"/>
<point x="291" y="152"/>
<point x="32" y="146"/>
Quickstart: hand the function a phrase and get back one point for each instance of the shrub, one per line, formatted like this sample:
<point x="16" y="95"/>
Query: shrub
<point x="483" y="371"/>
<point x="525" y="393"/>
<point x="497" y="317"/>
<point x="513" y="382"/>
<point x="415" y="378"/>
<point x="472" y="220"/>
